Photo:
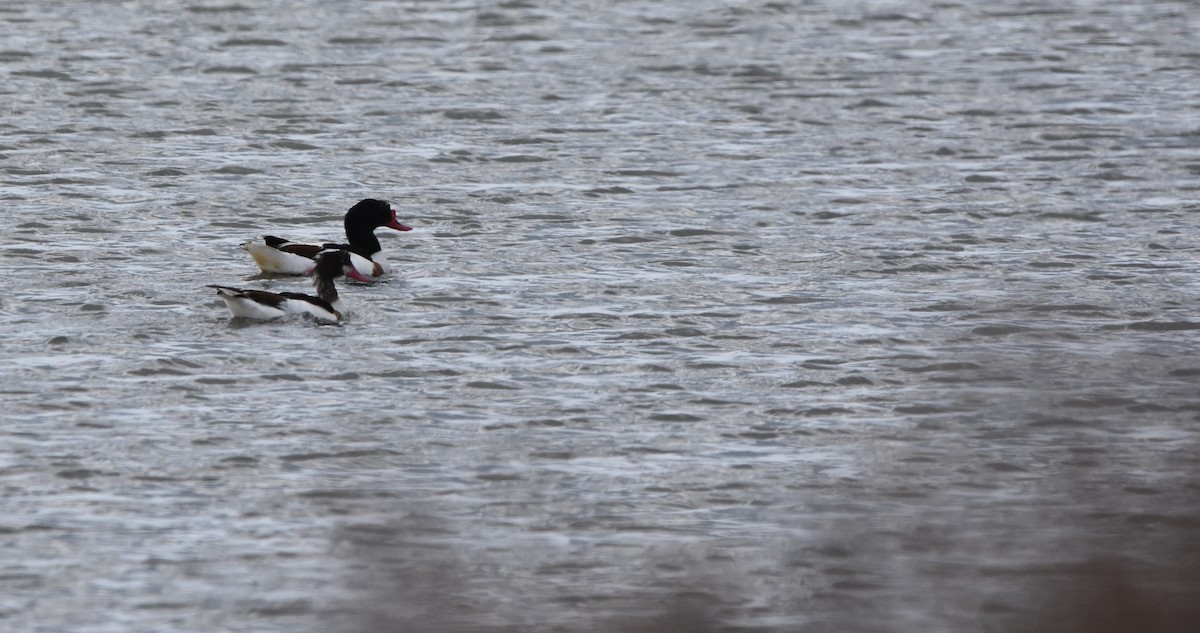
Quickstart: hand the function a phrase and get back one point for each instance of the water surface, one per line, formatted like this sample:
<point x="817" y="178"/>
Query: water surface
<point x="764" y="316"/>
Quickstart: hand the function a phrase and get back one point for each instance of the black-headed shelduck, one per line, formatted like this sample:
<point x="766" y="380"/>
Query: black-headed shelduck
<point x="277" y="255"/>
<point x="263" y="305"/>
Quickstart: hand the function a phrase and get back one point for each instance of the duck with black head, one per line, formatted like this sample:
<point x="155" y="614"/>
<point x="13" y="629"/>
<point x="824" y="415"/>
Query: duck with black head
<point x="263" y="305"/>
<point x="285" y="257"/>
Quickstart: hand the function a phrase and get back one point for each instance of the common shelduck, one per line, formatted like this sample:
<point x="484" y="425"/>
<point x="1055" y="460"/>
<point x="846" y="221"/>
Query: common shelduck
<point x="263" y="305"/>
<point x="277" y="255"/>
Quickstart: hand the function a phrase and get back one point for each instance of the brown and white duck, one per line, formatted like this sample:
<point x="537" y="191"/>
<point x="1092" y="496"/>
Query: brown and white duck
<point x="281" y="256"/>
<point x="263" y="305"/>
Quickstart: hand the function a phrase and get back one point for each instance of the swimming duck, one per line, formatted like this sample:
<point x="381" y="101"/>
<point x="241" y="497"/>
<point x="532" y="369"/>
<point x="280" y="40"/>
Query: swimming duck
<point x="264" y="305"/>
<point x="281" y="256"/>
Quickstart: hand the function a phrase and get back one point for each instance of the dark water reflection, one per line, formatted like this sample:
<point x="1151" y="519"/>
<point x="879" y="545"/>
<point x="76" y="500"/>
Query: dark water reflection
<point x="764" y="316"/>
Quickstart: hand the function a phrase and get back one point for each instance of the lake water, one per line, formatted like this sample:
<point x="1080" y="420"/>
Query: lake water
<point x="756" y="316"/>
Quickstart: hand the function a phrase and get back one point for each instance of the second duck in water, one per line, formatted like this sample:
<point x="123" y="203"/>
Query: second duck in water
<point x="263" y="305"/>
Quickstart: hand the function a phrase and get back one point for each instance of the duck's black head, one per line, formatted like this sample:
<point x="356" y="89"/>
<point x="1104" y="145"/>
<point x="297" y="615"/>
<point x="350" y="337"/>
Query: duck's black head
<point x="372" y="214"/>
<point x="332" y="263"/>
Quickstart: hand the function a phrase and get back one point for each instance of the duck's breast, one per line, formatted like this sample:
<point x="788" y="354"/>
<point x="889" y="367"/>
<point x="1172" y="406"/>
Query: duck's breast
<point x="374" y="267"/>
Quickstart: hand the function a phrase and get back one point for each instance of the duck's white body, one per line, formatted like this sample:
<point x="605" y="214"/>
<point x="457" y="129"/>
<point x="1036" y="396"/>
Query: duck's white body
<point x="284" y="258"/>
<point x="281" y="256"/>
<point x="273" y="260"/>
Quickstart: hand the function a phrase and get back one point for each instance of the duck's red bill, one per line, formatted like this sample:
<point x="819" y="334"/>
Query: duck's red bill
<point x="357" y="276"/>
<point x="394" y="224"/>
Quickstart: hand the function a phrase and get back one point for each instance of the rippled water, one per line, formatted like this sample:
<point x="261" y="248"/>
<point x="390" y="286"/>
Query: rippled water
<point x="756" y="316"/>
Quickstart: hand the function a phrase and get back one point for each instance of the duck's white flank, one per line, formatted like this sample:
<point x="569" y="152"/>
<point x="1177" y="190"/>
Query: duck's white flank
<point x="273" y="260"/>
<point x="243" y="304"/>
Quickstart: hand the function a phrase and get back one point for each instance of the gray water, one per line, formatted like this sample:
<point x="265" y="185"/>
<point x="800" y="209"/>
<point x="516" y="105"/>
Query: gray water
<point x="752" y="316"/>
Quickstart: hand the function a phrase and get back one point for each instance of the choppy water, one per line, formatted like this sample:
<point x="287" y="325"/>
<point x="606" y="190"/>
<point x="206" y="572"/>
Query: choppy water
<point x="755" y="316"/>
